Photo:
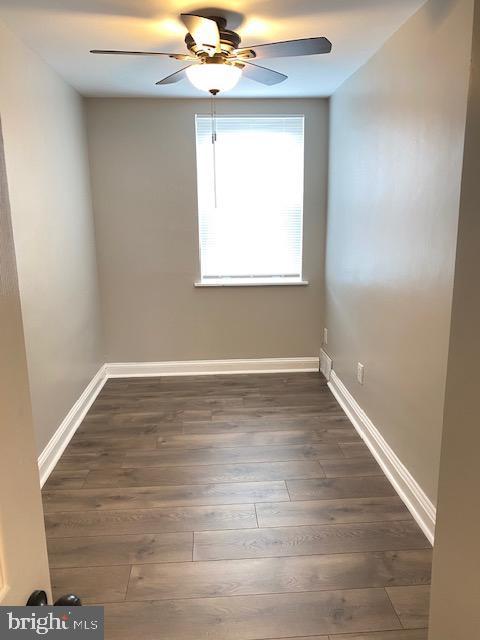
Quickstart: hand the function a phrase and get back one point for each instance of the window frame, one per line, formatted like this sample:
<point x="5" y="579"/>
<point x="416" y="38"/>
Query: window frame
<point x="249" y="281"/>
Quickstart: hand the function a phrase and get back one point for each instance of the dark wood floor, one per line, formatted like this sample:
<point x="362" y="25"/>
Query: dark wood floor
<point x="233" y="508"/>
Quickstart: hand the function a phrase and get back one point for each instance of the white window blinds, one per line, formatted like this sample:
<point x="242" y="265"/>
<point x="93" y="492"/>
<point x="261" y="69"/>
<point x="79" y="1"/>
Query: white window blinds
<point x="250" y="197"/>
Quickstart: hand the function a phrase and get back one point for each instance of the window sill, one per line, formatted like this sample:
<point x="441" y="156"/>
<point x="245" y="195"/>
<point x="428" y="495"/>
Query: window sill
<point x="269" y="282"/>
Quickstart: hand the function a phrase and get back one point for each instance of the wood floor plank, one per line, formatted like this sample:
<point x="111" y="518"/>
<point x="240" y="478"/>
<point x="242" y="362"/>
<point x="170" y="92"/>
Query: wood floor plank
<point x="164" y="496"/>
<point x="278" y="575"/>
<point x="327" y="425"/>
<point x="404" y="634"/>
<point x="304" y="638"/>
<point x="138" y="443"/>
<point x="325" y="429"/>
<point x="252" y="617"/>
<point x="234" y="455"/>
<point x="271" y="413"/>
<point x="91" y="551"/>
<point x="286" y="422"/>
<point x="291" y="393"/>
<point x="107" y="429"/>
<point x="199" y="406"/>
<point x="351" y="467"/>
<point x="152" y="411"/>
<point x="59" y="479"/>
<point x="126" y="418"/>
<point x="285" y="514"/>
<point x="355" y="449"/>
<point x="90" y="460"/>
<point x="411" y="604"/>
<point x="77" y="523"/>
<point x="334" y="488"/>
<point x="94" y="583"/>
<point x="308" y="540"/>
<point x="265" y="438"/>
<point x="203" y="474"/>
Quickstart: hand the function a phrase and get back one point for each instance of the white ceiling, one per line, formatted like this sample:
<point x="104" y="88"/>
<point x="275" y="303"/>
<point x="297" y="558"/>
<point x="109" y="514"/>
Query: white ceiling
<point x="63" y="31"/>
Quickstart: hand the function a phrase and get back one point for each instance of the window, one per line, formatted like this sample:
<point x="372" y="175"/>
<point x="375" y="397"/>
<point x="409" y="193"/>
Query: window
<point x="250" y="199"/>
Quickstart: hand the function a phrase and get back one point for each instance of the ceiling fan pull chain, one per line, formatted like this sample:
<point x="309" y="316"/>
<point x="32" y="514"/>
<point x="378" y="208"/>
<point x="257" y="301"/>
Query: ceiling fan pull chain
<point x="214" y="120"/>
<point x="214" y="141"/>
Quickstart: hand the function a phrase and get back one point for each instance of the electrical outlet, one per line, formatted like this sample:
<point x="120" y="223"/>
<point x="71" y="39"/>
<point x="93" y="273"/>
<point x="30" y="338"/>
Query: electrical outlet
<point x="360" y="373"/>
<point x="325" y="336"/>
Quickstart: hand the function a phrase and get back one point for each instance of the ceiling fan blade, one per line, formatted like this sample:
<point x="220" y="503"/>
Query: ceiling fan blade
<point x="174" y="77"/>
<point x="262" y="74"/>
<point x="290" y="48"/>
<point x="177" y="56"/>
<point x="203" y="30"/>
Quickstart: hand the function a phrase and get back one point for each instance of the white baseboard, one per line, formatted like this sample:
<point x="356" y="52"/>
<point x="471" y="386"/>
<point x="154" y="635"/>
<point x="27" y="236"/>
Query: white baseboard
<point x="65" y="432"/>
<point x="326" y="364"/>
<point x="62" y="436"/>
<point x="210" y="367"/>
<point x="415" y="499"/>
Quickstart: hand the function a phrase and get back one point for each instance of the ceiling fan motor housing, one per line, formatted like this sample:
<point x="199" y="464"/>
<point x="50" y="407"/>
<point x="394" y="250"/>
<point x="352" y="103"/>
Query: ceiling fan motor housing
<point x="229" y="40"/>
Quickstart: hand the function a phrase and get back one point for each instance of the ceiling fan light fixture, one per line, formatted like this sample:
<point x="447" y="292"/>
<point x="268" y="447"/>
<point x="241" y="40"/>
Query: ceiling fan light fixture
<point x="214" y="77"/>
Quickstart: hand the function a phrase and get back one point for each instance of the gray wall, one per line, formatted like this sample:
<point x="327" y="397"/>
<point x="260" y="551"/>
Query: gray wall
<point x="45" y="149"/>
<point x="455" y="587"/>
<point x="397" y="131"/>
<point x="143" y="169"/>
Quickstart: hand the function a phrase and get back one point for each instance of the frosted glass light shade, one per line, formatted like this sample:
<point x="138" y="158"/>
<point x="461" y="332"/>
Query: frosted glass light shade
<point x="214" y="77"/>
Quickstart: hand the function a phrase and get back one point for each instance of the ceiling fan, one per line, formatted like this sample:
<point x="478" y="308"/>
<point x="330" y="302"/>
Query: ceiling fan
<point x="216" y="61"/>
